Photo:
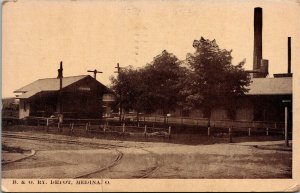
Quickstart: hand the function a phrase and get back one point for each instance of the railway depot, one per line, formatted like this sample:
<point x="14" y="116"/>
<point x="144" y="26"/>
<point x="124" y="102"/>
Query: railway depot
<point x="268" y="102"/>
<point x="80" y="97"/>
<point x="202" y="117"/>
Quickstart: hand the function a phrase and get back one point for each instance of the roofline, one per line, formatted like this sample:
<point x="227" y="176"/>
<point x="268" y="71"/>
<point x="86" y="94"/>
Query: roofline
<point x="64" y="77"/>
<point x="17" y="91"/>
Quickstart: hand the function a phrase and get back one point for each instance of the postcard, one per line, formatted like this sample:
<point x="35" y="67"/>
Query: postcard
<point x="150" y="96"/>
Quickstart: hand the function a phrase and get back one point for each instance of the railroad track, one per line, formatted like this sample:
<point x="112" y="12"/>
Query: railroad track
<point x="146" y="173"/>
<point x="158" y="164"/>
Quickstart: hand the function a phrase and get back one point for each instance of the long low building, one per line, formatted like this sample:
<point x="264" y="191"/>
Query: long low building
<point x="265" y="101"/>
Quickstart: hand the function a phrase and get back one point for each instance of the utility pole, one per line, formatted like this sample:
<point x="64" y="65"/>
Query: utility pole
<point x="60" y="76"/>
<point x="95" y="72"/>
<point x="120" y="105"/>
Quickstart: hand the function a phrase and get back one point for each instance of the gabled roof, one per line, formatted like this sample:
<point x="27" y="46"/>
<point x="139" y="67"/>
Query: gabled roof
<point x="270" y="86"/>
<point x="47" y="84"/>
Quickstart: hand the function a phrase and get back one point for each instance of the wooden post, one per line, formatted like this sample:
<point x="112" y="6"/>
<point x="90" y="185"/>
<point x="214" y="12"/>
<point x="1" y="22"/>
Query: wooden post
<point x="123" y="127"/>
<point x="86" y="127"/>
<point x="286" y="126"/>
<point x="58" y="126"/>
<point x="267" y="131"/>
<point x="169" y="132"/>
<point x="249" y="131"/>
<point x="72" y="127"/>
<point x="145" y="131"/>
<point x="230" y="136"/>
<point x="138" y="124"/>
<point x="47" y="124"/>
<point x="208" y="131"/>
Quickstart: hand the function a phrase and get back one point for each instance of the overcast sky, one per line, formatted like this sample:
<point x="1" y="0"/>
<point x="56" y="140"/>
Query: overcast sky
<point x="85" y="35"/>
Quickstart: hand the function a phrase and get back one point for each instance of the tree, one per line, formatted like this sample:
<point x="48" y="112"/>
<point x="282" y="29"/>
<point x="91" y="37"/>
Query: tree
<point x="163" y="76"/>
<point x="156" y="86"/>
<point x="128" y="89"/>
<point x="213" y="80"/>
<point x="133" y="90"/>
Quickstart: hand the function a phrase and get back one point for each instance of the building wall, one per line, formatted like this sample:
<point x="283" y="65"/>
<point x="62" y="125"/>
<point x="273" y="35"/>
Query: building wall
<point x="83" y="99"/>
<point x="244" y="114"/>
<point x="219" y="113"/>
<point x="24" y="109"/>
<point x="245" y="109"/>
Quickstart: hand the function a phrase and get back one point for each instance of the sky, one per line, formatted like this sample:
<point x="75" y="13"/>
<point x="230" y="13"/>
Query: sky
<point x="91" y="34"/>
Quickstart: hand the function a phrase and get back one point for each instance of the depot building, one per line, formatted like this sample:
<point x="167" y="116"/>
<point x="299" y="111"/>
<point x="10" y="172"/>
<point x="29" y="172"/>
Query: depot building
<point x="75" y="97"/>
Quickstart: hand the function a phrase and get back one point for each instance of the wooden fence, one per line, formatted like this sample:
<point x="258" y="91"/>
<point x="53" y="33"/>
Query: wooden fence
<point x="152" y="126"/>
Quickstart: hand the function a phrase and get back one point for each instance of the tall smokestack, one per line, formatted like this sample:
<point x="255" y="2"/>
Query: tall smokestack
<point x="257" y="54"/>
<point x="289" y="55"/>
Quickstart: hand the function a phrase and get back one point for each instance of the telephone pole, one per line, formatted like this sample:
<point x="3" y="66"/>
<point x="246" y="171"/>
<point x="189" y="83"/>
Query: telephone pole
<point x="60" y="106"/>
<point x="120" y="104"/>
<point x="95" y="72"/>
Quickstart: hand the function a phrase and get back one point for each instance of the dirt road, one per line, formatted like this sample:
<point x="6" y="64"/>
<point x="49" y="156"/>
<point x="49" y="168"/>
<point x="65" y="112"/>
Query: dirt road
<point x="60" y="156"/>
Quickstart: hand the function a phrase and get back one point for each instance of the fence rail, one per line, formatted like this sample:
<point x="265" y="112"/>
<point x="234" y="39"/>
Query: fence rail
<point x="147" y="127"/>
<point x="204" y="122"/>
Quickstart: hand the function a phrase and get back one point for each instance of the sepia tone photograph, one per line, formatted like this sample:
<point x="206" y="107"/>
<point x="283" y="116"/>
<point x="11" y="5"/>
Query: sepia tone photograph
<point x="96" y="92"/>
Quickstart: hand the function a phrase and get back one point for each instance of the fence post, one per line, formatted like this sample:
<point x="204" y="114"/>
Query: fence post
<point x="145" y="131"/>
<point x="208" y="131"/>
<point x="123" y="127"/>
<point x="286" y="137"/>
<point x="58" y="127"/>
<point x="138" y="124"/>
<point x="72" y="127"/>
<point x="267" y="131"/>
<point x="169" y="132"/>
<point x="249" y="131"/>
<point x="47" y="124"/>
<point x="86" y="127"/>
<point x="230" y="136"/>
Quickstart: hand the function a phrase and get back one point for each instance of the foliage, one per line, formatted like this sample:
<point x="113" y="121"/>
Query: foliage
<point x="155" y="86"/>
<point x="213" y="80"/>
<point x="210" y="80"/>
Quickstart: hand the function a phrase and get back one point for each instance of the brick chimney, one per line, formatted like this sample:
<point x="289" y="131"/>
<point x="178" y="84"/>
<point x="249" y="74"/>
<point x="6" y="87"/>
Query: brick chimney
<point x="257" y="53"/>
